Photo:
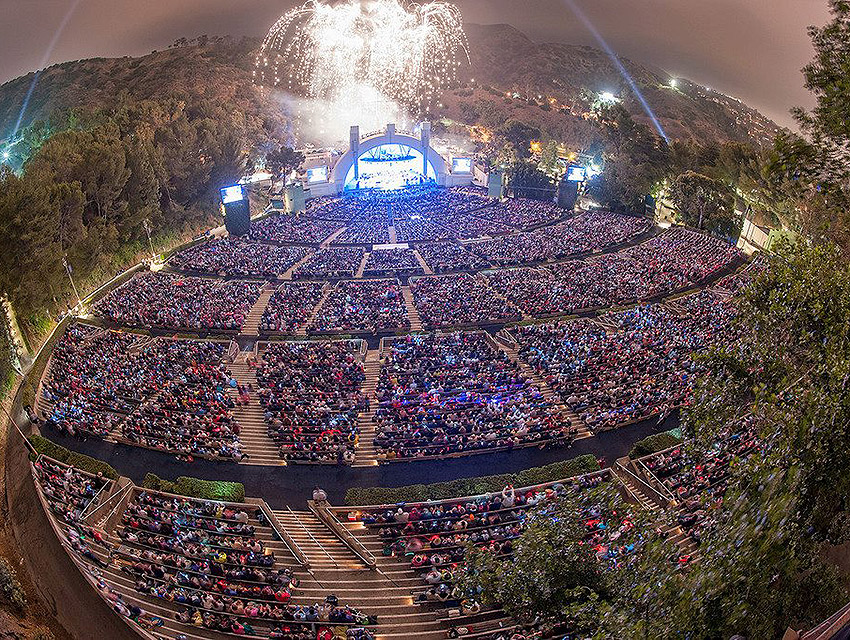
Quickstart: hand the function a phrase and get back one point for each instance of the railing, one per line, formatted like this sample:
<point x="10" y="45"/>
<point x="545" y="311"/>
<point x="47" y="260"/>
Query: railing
<point x="121" y="494"/>
<point x="659" y="486"/>
<point x="290" y="544"/>
<point x="232" y="350"/>
<point x="346" y="537"/>
<point x="650" y="491"/>
<point x="311" y="536"/>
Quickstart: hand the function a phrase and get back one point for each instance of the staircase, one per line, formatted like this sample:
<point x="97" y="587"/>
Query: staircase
<point x="261" y="449"/>
<point x="287" y="275"/>
<point x="362" y="267"/>
<point x="366" y="454"/>
<point x="252" y="322"/>
<point x="412" y="313"/>
<point x="550" y="394"/>
<point x="302" y="330"/>
<point x="392" y="234"/>
<point x="428" y="270"/>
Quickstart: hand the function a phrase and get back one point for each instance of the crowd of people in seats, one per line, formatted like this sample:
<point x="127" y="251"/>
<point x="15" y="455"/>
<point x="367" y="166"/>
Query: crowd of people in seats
<point x="332" y="263"/>
<point x="448" y="256"/>
<point x="290" y="306"/>
<point x="310" y="394"/>
<point x="165" y="394"/>
<point x="205" y="559"/>
<point x="459" y="299"/>
<point x="523" y="213"/>
<point x="453" y="393"/>
<point x="735" y="282"/>
<point x="362" y="306"/>
<point x="538" y="292"/>
<point x="67" y="490"/>
<point x="365" y="231"/>
<point x="434" y="536"/>
<point x="282" y="228"/>
<point x="699" y="482"/>
<point x="236" y="257"/>
<point x="418" y="229"/>
<point x="643" y="367"/>
<point x="586" y="232"/>
<point x="180" y="302"/>
<point x="397" y="261"/>
<point x="88" y="389"/>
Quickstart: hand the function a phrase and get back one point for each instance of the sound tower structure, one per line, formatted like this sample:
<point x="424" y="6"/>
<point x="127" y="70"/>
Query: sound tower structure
<point x="494" y="184"/>
<point x="237" y="210"/>
<point x="567" y="193"/>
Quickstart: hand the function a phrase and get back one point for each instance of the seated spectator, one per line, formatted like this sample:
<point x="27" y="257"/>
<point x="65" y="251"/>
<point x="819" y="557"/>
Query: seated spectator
<point x="362" y="306"/>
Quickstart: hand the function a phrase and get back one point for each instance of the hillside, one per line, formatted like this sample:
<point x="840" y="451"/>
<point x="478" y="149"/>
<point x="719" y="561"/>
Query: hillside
<point x="504" y="61"/>
<point x="504" y="58"/>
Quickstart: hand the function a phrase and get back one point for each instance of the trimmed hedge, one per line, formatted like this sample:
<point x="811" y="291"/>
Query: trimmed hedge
<point x="472" y="486"/>
<point x="654" y="443"/>
<point x="83" y="462"/>
<point x="197" y="488"/>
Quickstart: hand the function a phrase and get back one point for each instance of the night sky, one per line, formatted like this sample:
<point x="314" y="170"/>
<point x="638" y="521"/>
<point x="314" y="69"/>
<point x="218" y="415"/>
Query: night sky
<point x="752" y="49"/>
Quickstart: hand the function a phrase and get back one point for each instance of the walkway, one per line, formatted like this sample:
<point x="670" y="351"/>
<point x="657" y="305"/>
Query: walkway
<point x="261" y="449"/>
<point x="412" y="312"/>
<point x="252" y="322"/>
<point x="367" y="455"/>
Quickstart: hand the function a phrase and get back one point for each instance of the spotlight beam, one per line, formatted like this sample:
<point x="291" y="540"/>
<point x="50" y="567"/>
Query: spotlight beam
<point x="617" y="63"/>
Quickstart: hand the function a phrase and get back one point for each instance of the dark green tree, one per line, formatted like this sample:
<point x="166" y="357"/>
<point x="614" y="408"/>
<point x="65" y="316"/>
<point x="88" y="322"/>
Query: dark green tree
<point x="704" y="203"/>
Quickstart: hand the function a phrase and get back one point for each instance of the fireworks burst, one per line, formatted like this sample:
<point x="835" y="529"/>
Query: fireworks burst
<point x="407" y="52"/>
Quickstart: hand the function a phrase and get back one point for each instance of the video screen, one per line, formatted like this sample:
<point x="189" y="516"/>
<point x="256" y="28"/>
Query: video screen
<point x="317" y="174"/>
<point x="576" y="174"/>
<point x="461" y="165"/>
<point x="232" y="194"/>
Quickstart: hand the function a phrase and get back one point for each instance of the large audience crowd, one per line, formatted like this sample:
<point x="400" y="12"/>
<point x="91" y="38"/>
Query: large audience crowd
<point x="443" y="394"/>
<point x="370" y="306"/>
<point x="310" y="393"/>
<point x="280" y="229"/>
<point x="290" y="306"/>
<point x="396" y="261"/>
<point x="165" y="394"/>
<point x="331" y="263"/>
<point x="643" y="367"/>
<point x="459" y="299"/>
<point x="448" y="256"/>
<point x="180" y="302"/>
<point x="234" y="257"/>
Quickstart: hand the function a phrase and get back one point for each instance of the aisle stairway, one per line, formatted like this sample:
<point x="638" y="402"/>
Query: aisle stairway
<point x="385" y="592"/>
<point x="362" y="266"/>
<point x="412" y="313"/>
<point x="252" y="322"/>
<point x="550" y="394"/>
<point x="256" y="443"/>
<point x="428" y="270"/>
<point x="301" y="331"/>
<point x="366" y="454"/>
<point x="288" y="274"/>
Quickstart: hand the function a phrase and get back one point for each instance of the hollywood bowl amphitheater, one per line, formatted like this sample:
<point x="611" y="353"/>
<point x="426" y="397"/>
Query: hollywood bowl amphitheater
<point x="405" y="328"/>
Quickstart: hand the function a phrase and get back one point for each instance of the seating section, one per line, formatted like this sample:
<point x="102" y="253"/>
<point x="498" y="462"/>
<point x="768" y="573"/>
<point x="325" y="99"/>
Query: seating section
<point x="362" y="306"/>
<point x="383" y="262"/>
<point x="290" y="306"/>
<point x="180" y="302"/>
<point x="331" y="263"/>
<point x="234" y="257"/>
<point x="641" y="366"/>
<point x="448" y="256"/>
<point x="459" y="299"/>
<point x="164" y="394"/>
<point x="281" y="229"/>
<point x="451" y="394"/>
<point x="310" y="393"/>
<point x="67" y="491"/>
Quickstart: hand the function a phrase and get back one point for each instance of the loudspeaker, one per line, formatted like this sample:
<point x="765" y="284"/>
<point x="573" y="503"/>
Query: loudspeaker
<point x="567" y="194"/>
<point x="494" y="184"/>
<point x="295" y="202"/>
<point x="237" y="218"/>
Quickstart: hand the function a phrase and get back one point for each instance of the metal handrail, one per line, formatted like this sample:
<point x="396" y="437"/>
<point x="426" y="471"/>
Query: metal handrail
<point x="642" y="483"/>
<point x="347" y="538"/>
<point x="297" y="553"/>
<point x="312" y="537"/>
<point x="656" y="482"/>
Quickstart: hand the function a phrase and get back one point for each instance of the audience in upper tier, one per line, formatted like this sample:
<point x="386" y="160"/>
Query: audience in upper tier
<point x="234" y="257"/>
<point x="180" y="302"/>
<point x="454" y="393"/>
<point x="290" y="306"/>
<point x="310" y="393"/>
<point x="448" y="256"/>
<point x="331" y="263"/>
<point x="459" y="299"/>
<point x="642" y="368"/>
<point x="284" y="228"/>
<point x="370" y="306"/>
<point x="384" y="262"/>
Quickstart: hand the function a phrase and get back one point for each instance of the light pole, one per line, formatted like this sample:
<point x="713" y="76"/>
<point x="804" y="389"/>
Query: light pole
<point x="147" y="225"/>
<point x="71" y="278"/>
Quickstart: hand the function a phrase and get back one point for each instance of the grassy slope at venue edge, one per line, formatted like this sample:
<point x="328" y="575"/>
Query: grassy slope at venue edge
<point x="472" y="486"/>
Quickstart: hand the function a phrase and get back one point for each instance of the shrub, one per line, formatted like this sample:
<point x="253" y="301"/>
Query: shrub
<point x="82" y="462"/>
<point x="471" y="486"/>
<point x="197" y="488"/>
<point x="654" y="443"/>
<point x="11" y="591"/>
